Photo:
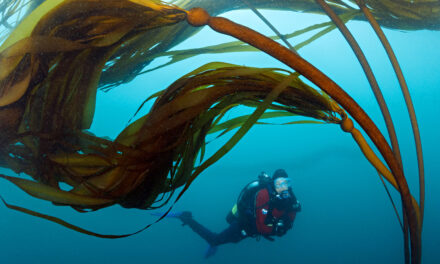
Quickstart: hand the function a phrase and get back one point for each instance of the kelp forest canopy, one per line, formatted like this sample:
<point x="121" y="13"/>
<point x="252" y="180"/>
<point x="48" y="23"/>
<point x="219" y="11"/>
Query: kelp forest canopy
<point x="56" y="54"/>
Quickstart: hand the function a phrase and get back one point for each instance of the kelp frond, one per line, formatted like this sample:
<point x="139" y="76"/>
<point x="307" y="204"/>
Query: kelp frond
<point x="157" y="153"/>
<point x="50" y="48"/>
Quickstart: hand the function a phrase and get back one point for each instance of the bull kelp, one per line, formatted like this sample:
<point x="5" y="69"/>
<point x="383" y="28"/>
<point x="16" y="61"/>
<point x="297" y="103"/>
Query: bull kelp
<point x="62" y="51"/>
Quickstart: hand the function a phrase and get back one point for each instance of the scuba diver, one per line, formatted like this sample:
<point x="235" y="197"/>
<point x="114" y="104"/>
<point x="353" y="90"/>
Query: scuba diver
<point x="265" y="208"/>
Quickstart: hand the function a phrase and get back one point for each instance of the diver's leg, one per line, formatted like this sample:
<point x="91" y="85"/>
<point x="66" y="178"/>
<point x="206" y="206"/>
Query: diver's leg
<point x="202" y="231"/>
<point x="232" y="234"/>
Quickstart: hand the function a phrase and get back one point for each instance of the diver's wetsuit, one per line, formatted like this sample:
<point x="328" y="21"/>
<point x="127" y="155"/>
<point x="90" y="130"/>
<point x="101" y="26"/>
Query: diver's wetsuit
<point x="256" y="216"/>
<point x="232" y="234"/>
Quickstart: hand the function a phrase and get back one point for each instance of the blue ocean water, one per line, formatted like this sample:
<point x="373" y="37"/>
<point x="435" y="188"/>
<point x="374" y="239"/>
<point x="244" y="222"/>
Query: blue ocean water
<point x="346" y="216"/>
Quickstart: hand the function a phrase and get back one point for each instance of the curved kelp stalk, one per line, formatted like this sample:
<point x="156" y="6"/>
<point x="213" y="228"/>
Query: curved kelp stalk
<point x="406" y="95"/>
<point x="199" y="17"/>
<point x="376" y="89"/>
<point x="370" y="76"/>
<point x="377" y="93"/>
<point x="51" y="66"/>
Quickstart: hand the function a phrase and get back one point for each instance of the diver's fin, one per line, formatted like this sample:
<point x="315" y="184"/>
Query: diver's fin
<point x="210" y="251"/>
<point x="184" y="216"/>
<point x="170" y="214"/>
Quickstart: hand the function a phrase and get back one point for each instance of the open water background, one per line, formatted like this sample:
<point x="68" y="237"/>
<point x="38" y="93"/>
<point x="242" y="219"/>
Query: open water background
<point x="346" y="217"/>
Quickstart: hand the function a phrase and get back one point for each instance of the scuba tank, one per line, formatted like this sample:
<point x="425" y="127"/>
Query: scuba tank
<point x="244" y="209"/>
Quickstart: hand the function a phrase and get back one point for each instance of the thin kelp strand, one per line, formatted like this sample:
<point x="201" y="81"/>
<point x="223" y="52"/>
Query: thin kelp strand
<point x="347" y="126"/>
<point x="314" y="37"/>
<point x="239" y="46"/>
<point x="407" y="97"/>
<point x="373" y="83"/>
<point x="345" y="17"/>
<point x="413" y="119"/>
<point x="370" y="76"/>
<point x="71" y="226"/>
<point x="391" y="200"/>
<point x="267" y="22"/>
<point x="238" y="121"/>
<point x="155" y="95"/>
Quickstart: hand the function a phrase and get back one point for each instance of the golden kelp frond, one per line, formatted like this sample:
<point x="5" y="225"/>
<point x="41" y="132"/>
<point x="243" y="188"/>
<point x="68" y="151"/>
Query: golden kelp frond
<point x="157" y="153"/>
<point x="51" y="65"/>
<point x="56" y="56"/>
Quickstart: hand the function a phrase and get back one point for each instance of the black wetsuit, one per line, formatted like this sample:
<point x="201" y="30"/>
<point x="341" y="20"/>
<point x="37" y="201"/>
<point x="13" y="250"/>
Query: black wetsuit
<point x="232" y="234"/>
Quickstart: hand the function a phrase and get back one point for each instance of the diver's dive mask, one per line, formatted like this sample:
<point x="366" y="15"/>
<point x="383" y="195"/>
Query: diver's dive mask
<point x="281" y="185"/>
<point x="282" y="188"/>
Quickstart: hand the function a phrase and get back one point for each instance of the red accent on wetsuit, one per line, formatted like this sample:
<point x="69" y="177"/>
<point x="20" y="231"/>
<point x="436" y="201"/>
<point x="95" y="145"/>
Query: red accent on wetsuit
<point x="261" y="205"/>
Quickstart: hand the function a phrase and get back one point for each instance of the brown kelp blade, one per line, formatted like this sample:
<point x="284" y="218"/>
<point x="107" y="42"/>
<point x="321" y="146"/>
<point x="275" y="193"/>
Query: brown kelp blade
<point x="45" y="192"/>
<point x="44" y="41"/>
<point x="51" y="65"/>
<point x="231" y="85"/>
<point x="157" y="153"/>
<point x="237" y="122"/>
<point x="250" y="121"/>
<point x="71" y="226"/>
